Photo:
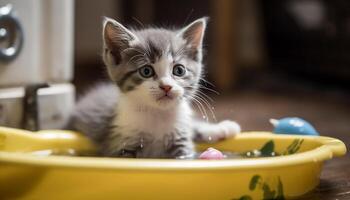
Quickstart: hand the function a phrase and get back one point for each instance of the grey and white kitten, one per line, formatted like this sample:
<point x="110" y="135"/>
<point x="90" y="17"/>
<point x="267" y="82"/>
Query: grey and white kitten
<point x="146" y="112"/>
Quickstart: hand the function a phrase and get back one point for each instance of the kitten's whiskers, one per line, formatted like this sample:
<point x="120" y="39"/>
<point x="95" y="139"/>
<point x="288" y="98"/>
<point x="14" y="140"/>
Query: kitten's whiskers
<point x="207" y="82"/>
<point x="209" y="106"/>
<point x="200" y="107"/>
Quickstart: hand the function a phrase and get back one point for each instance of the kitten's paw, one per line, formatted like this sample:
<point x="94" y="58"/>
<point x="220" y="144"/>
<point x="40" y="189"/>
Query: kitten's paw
<point x="216" y="132"/>
<point x="229" y="128"/>
<point x="206" y="132"/>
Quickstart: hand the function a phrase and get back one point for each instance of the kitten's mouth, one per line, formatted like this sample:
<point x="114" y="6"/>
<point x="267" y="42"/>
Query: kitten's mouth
<point x="165" y="97"/>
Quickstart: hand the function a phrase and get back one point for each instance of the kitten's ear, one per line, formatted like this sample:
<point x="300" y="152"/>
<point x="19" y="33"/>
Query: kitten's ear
<point x="116" y="38"/>
<point x="194" y="34"/>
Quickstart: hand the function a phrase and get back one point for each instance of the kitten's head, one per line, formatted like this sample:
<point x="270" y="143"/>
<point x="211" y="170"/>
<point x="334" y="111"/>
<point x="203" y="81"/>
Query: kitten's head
<point x="157" y="67"/>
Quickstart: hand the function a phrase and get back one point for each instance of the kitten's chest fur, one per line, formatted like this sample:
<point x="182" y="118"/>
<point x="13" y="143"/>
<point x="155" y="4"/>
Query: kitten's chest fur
<point x="136" y="118"/>
<point x="149" y="132"/>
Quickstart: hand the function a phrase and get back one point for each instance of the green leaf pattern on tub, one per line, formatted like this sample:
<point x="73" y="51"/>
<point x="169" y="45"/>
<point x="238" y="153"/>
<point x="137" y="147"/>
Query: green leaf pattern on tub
<point x="258" y="183"/>
<point x="294" y="147"/>
<point x="254" y="182"/>
<point x="268" y="149"/>
<point x="245" y="197"/>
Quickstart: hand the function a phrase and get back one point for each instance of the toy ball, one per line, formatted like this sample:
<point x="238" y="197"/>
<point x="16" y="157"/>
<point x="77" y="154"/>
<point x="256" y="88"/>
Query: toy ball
<point x="294" y="126"/>
<point x="212" y="154"/>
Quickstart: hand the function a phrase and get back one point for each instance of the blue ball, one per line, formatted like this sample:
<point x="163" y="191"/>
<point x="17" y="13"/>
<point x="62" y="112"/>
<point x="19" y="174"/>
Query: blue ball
<point x="294" y="126"/>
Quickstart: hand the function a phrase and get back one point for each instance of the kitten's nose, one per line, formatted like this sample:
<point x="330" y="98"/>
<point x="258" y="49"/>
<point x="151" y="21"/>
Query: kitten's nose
<point x="165" y="88"/>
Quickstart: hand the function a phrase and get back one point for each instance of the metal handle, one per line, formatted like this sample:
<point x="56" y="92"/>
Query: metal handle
<point x="11" y="34"/>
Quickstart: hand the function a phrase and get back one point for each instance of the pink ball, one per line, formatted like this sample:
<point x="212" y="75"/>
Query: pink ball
<point x="212" y="154"/>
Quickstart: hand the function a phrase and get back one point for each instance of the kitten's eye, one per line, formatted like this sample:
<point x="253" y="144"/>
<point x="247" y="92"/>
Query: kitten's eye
<point x="146" y="71"/>
<point x="179" y="70"/>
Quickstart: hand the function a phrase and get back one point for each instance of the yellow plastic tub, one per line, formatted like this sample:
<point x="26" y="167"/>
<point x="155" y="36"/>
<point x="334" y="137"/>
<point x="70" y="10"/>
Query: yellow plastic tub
<point x="26" y="174"/>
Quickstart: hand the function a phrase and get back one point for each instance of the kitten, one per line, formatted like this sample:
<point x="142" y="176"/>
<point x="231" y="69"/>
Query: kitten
<point x="146" y="112"/>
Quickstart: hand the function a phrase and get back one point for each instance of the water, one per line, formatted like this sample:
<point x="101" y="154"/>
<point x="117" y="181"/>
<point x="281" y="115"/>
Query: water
<point x="227" y="154"/>
<point x="234" y="155"/>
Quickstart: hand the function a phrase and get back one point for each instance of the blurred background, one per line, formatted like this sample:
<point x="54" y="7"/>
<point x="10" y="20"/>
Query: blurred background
<point x="267" y="59"/>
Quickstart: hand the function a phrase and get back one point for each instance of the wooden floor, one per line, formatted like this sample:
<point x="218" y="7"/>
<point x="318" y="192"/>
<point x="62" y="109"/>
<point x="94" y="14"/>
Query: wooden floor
<point x="328" y="111"/>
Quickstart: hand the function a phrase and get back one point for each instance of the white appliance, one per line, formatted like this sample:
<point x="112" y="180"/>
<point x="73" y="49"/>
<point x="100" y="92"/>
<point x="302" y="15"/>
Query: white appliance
<point x="36" y="46"/>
